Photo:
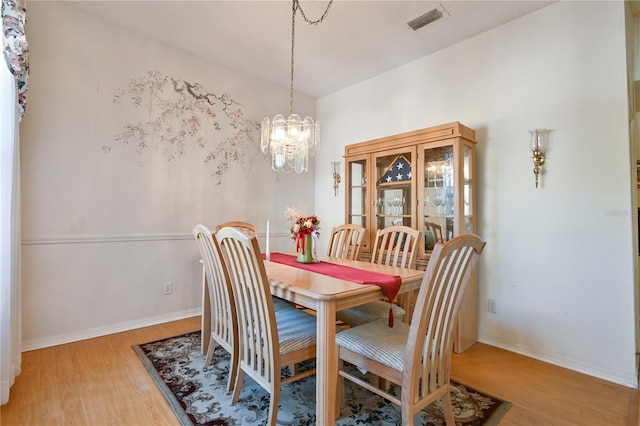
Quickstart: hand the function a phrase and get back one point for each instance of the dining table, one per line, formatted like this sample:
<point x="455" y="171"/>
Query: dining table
<point x="325" y="295"/>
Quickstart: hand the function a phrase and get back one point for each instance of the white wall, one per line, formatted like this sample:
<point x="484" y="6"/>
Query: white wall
<point x="102" y="232"/>
<point x="560" y="259"/>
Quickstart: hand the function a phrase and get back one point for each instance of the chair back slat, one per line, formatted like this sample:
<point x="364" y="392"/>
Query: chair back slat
<point x="396" y="246"/>
<point x="256" y="317"/>
<point x="437" y="306"/>
<point x="223" y="316"/>
<point x="246" y="228"/>
<point x="345" y="241"/>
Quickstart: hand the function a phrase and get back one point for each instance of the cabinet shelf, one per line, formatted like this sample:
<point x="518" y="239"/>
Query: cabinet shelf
<point x="427" y="183"/>
<point x="392" y="185"/>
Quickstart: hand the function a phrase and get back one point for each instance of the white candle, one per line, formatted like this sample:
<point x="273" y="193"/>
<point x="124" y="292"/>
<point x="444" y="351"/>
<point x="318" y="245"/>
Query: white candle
<point x="267" y="252"/>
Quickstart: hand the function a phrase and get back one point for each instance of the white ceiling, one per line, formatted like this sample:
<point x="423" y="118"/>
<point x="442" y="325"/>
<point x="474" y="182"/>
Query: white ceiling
<point x="357" y="40"/>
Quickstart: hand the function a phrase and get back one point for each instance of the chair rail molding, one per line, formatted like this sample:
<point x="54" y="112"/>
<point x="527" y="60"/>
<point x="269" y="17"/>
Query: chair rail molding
<point x="120" y="238"/>
<point x="91" y="239"/>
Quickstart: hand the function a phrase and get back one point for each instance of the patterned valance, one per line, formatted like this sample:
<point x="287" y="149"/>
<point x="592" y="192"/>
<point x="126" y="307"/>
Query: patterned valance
<point x="15" y="46"/>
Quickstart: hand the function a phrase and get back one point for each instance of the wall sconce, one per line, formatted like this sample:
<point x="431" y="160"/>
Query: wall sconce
<point x="538" y="146"/>
<point x="335" y="168"/>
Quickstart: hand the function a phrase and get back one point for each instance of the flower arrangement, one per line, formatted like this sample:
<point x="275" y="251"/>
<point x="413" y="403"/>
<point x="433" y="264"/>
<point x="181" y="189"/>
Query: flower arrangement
<point x="301" y="223"/>
<point x="305" y="230"/>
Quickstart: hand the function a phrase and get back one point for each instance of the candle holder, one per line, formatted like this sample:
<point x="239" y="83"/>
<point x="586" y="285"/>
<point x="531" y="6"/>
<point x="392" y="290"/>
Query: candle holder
<point x="267" y="253"/>
<point x="335" y="167"/>
<point x="538" y="145"/>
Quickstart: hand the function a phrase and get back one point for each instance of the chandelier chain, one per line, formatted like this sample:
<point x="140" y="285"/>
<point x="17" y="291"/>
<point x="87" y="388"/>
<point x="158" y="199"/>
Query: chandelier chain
<point x="295" y="6"/>
<point x="318" y="21"/>
<point x="293" y="42"/>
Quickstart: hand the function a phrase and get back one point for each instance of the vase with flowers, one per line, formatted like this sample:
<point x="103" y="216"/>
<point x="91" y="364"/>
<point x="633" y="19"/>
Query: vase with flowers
<point x="305" y="229"/>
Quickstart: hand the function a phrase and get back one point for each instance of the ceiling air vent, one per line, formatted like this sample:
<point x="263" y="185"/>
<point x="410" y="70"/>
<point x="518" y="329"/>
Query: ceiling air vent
<point x="428" y="18"/>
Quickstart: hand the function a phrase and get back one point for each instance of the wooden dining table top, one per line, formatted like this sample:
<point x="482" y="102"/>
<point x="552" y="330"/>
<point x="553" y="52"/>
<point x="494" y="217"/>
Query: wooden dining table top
<point x="288" y="281"/>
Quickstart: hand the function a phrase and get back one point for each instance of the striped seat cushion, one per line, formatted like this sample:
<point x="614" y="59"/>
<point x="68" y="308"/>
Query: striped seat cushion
<point x="296" y="330"/>
<point x="377" y="341"/>
<point x="368" y="312"/>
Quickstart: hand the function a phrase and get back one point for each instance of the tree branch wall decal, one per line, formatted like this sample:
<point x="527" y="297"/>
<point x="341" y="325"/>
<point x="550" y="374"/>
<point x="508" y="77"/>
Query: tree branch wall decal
<point x="179" y="115"/>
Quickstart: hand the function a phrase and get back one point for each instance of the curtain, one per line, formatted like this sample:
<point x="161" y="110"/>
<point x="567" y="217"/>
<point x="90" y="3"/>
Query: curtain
<point x="15" y="46"/>
<point x="13" y="97"/>
<point x="10" y="303"/>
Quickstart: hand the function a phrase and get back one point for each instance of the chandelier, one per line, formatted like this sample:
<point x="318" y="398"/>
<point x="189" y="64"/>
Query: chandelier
<point x="292" y="140"/>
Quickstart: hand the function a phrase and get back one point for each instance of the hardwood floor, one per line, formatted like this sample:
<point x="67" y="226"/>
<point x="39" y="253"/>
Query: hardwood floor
<point x="101" y="381"/>
<point x="544" y="394"/>
<point x="93" y="382"/>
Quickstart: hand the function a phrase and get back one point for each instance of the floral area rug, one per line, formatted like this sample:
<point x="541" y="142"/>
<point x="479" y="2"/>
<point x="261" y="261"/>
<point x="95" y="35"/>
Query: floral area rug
<point x="198" y="395"/>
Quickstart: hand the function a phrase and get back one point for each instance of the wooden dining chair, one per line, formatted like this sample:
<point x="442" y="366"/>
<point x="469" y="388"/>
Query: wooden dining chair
<point x="394" y="246"/>
<point x="269" y="340"/>
<point x="416" y="357"/>
<point x="223" y="319"/>
<point x="436" y="230"/>
<point x="345" y="241"/>
<point x="251" y="230"/>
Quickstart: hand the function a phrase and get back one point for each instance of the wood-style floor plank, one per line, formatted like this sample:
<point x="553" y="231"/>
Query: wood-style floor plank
<point x="101" y="381"/>
<point x="544" y="394"/>
<point x="93" y="382"/>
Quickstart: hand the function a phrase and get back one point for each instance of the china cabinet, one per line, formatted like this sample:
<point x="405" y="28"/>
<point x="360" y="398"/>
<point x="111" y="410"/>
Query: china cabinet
<point x="423" y="179"/>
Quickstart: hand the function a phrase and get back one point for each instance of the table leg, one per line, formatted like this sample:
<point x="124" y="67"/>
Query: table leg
<point x="205" y="336"/>
<point x="326" y="363"/>
<point x="404" y="301"/>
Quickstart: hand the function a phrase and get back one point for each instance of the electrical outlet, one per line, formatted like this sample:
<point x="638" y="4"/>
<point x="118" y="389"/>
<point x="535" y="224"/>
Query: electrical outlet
<point x="492" y="306"/>
<point x="168" y="287"/>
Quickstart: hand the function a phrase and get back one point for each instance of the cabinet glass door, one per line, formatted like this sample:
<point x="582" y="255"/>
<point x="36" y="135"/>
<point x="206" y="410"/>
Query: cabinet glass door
<point x="439" y="195"/>
<point x="358" y="205"/>
<point x="358" y="193"/>
<point x="394" y="193"/>
<point x="468" y="193"/>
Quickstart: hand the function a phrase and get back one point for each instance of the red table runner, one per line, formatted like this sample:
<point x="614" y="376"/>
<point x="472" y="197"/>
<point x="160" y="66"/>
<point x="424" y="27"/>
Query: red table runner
<point x="390" y="284"/>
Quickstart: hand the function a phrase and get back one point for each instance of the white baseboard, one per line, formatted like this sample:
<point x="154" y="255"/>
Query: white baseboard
<point x="29" y="345"/>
